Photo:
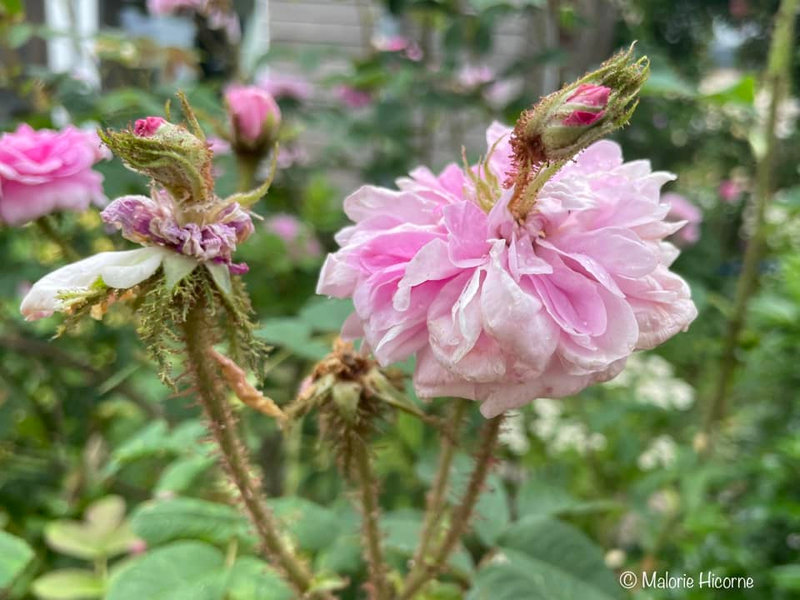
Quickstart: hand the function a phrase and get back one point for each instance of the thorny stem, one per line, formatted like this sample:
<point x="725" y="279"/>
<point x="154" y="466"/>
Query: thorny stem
<point x="373" y="551"/>
<point x="777" y="81"/>
<point x="222" y="423"/>
<point x="462" y="515"/>
<point x="50" y="231"/>
<point x="438" y="493"/>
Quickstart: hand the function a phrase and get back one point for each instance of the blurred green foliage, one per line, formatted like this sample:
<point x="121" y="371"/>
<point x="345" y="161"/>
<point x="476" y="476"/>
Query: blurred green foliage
<point x="615" y="479"/>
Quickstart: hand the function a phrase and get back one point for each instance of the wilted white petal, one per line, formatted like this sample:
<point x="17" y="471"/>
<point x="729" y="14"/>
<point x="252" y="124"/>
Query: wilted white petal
<point x="120" y="270"/>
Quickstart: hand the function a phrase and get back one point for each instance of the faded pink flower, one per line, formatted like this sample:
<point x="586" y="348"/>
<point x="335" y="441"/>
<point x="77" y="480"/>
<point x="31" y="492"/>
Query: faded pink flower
<point x="147" y="126"/>
<point x="254" y="114"/>
<point x="587" y="104"/>
<point x="687" y="215"/>
<point x="44" y="171"/>
<point x="353" y="97"/>
<point x="152" y="222"/>
<point x="503" y="312"/>
<point x="284" y="85"/>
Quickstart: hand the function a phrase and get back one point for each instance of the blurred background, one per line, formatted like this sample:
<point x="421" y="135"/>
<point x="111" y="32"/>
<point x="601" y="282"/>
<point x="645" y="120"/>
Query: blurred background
<point x="653" y="470"/>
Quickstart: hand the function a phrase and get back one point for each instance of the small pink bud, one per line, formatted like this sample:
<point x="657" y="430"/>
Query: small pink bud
<point x="147" y="126"/>
<point x="254" y="114"/>
<point x="588" y="105"/>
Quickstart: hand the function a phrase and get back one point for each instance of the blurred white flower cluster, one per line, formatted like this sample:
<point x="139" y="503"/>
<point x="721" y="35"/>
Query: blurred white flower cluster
<point x="661" y="452"/>
<point x="560" y="433"/>
<point x="652" y="381"/>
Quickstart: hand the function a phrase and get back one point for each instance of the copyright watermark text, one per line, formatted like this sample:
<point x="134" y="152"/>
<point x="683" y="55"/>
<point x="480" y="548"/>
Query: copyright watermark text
<point x="668" y="581"/>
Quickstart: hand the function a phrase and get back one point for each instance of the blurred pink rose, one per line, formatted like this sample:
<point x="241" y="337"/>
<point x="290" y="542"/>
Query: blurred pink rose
<point x="218" y="146"/>
<point x="168" y="7"/>
<point x="683" y="210"/>
<point x="504" y="312"/>
<point x="353" y="97"/>
<point x="254" y="115"/>
<point x="44" y="171"/>
<point x="472" y="76"/>
<point x="729" y="190"/>
<point x="285" y="85"/>
<point x="300" y="242"/>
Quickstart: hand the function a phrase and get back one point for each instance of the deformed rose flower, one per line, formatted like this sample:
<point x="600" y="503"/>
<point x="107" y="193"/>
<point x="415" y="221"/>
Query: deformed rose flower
<point x="501" y="310"/>
<point x="44" y="171"/>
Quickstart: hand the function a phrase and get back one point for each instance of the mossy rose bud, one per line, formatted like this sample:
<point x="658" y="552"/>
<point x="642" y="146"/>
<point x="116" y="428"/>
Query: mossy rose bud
<point x="178" y="160"/>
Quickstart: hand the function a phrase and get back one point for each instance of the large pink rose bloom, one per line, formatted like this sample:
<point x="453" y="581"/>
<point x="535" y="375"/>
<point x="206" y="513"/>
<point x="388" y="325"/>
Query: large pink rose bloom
<point x="44" y="171"/>
<point x="502" y="312"/>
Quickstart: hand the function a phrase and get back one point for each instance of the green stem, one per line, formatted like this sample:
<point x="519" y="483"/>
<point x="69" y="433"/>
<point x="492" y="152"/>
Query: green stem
<point x="462" y="515"/>
<point x="222" y="423"/>
<point x="370" y="513"/>
<point x="777" y="82"/>
<point x="46" y="226"/>
<point x="438" y="493"/>
<point x="247" y="164"/>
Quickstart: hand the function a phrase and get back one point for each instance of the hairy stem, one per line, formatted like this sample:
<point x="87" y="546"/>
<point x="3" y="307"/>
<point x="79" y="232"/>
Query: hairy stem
<point x="50" y="231"/>
<point x="777" y="82"/>
<point x="222" y="423"/>
<point x="462" y="515"/>
<point x="370" y="512"/>
<point x="438" y="493"/>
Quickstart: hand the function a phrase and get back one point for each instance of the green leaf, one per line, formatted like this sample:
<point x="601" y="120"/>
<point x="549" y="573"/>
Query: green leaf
<point x="295" y="335"/>
<point x="492" y="512"/>
<point x="326" y="314"/>
<point x="182" y="472"/>
<point x="741" y="92"/>
<point x="195" y="571"/>
<point x="69" y="584"/>
<point x="103" y="533"/>
<point x="538" y="498"/>
<point x="180" y="571"/>
<point x="403" y="529"/>
<point x="12" y="8"/>
<point x="545" y="559"/>
<point x="15" y="555"/>
<point x="165" y="521"/>
<point x="786" y="577"/>
<point x="251" y="579"/>
<point x="313" y="526"/>
<point x="666" y="82"/>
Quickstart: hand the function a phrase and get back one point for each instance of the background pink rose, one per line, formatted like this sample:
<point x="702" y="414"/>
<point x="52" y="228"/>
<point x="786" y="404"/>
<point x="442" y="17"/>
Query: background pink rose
<point x="254" y="114"/>
<point x="43" y="171"/>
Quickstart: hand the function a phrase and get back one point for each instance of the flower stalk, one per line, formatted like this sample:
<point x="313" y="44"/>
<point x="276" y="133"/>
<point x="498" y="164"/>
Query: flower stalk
<point x="462" y="515"/>
<point x="370" y="512"/>
<point x="777" y="82"/>
<point x="437" y="495"/>
<point x="222" y="424"/>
